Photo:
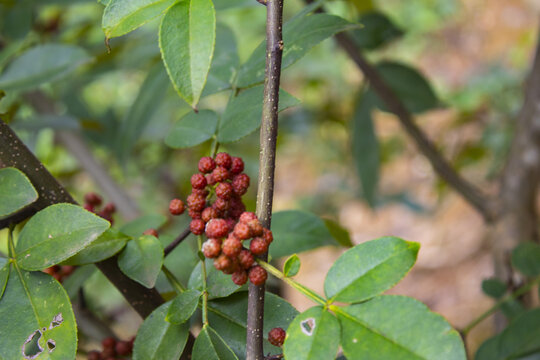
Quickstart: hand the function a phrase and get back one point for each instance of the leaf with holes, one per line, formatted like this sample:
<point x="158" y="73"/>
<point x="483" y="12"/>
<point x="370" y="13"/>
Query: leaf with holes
<point x="55" y="61"/>
<point x="187" y="37"/>
<point x="105" y="246"/>
<point x="55" y="234"/>
<point x="243" y="113"/>
<point x="313" y="335"/>
<point x="192" y="129"/>
<point x="291" y="266"/>
<point x="158" y="339"/>
<point x="369" y="269"/>
<point x="121" y="17"/>
<point x="142" y="259"/>
<point x="210" y="346"/>
<point x="37" y="318"/>
<point x="183" y="306"/>
<point x="397" y="327"/>
<point x="16" y="191"/>
<point x="526" y="258"/>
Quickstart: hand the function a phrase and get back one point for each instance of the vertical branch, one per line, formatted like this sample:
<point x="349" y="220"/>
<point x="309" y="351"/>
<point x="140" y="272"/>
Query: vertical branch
<point x="267" y="161"/>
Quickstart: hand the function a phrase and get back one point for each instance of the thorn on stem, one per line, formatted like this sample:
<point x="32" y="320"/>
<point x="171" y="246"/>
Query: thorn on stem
<point x="264" y="2"/>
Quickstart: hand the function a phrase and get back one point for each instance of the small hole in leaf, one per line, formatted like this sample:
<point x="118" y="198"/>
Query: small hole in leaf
<point x="51" y="344"/>
<point x="56" y="321"/>
<point x="308" y="326"/>
<point x="31" y="348"/>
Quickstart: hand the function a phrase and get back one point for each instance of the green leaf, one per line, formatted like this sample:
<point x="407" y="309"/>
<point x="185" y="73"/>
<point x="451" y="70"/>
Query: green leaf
<point x="365" y="147"/>
<point x="243" y="113"/>
<point x="142" y="259"/>
<point x="158" y="339"/>
<point x="369" y="269"/>
<point x="192" y="129"/>
<point x="183" y="306"/>
<point x="16" y="191"/>
<point x="121" y="17"/>
<point x="313" y="335"/>
<point x="55" y="234"/>
<point x="36" y="318"/>
<point x="55" y="61"/>
<point x="225" y="62"/>
<point x="377" y="30"/>
<point x="296" y="231"/>
<point x="136" y="227"/>
<point x="105" y="246"/>
<point x="299" y="36"/>
<point x="409" y="85"/>
<point x="187" y="37"/>
<point x="291" y="266"/>
<point x="397" y="327"/>
<point x="494" y="288"/>
<point x="338" y="232"/>
<point x="228" y="317"/>
<point x="4" y="274"/>
<point x="146" y="103"/>
<point x="518" y="339"/>
<point x="76" y="280"/>
<point x="526" y="258"/>
<point x="210" y="346"/>
<point x="218" y="284"/>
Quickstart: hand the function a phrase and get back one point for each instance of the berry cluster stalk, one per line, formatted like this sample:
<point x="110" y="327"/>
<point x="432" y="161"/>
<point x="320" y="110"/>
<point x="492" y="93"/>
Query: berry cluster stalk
<point x="267" y="160"/>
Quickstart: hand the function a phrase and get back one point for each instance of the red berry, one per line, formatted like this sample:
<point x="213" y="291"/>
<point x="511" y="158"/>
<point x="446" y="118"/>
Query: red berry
<point x="230" y="224"/>
<point x="93" y="355"/>
<point x="108" y="343"/>
<point x="123" y="348"/>
<point x="58" y="276"/>
<point x="222" y="262"/>
<point x="220" y="174"/>
<point x="258" y="246"/>
<point x="209" y="213"/>
<point x="257" y="275"/>
<point x="197" y="226"/>
<point x="239" y="277"/>
<point x="210" y="180"/>
<point x="217" y="228"/>
<point x="276" y="336"/>
<point x="236" y="207"/>
<point x="52" y="270"/>
<point x="267" y="236"/>
<point x="232" y="247"/>
<point x="255" y="227"/>
<point x="194" y="214"/>
<point x="211" y="248"/>
<point x="240" y="184"/>
<point x="221" y="204"/>
<point x="246" y="259"/>
<point x="93" y="199"/>
<point x="200" y="192"/>
<point x="237" y="165"/>
<point x="224" y="190"/>
<point x="247" y="216"/>
<point x="109" y="208"/>
<point x="234" y="267"/>
<point x="206" y="165"/>
<point x="198" y="181"/>
<point x="196" y="202"/>
<point x="176" y="207"/>
<point x="89" y="207"/>
<point x="106" y="215"/>
<point x="67" y="270"/>
<point x="224" y="160"/>
<point x="152" y="232"/>
<point x="242" y="231"/>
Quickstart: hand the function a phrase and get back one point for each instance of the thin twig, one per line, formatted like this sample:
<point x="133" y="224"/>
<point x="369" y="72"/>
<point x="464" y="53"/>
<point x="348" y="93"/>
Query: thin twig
<point x="273" y="357"/>
<point x="267" y="161"/>
<point x="183" y="235"/>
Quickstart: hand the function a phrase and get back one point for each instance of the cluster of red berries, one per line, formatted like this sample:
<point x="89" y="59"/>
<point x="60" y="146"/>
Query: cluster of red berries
<point x="112" y="349"/>
<point x="91" y="203"/>
<point x="276" y="336"/>
<point x="223" y="218"/>
<point x="60" y="272"/>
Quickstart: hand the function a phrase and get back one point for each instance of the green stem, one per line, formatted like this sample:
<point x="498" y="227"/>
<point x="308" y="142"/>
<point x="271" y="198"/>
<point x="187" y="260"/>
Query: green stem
<point x="522" y="290"/>
<point x="304" y="290"/>
<point x="178" y="287"/>
<point x="215" y="147"/>
<point x="205" y="290"/>
<point x="11" y="245"/>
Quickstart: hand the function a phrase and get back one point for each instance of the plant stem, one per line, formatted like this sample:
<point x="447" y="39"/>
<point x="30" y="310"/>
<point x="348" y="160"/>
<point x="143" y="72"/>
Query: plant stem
<point x="267" y="162"/>
<point x="522" y="290"/>
<point x="178" y="287"/>
<point x="304" y="290"/>
<point x="11" y="245"/>
<point x="183" y="235"/>
<point x="205" y="290"/>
